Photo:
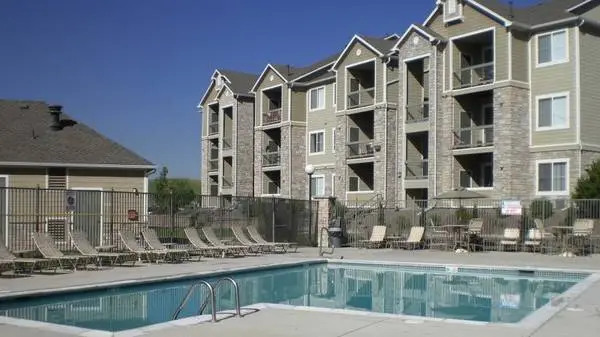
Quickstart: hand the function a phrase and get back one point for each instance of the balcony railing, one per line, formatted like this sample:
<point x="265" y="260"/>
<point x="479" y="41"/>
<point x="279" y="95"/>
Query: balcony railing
<point x="474" y="137"/>
<point x="417" y="113"/>
<point x="213" y="165"/>
<point x="213" y="128"/>
<point x="227" y="143"/>
<point x="359" y="150"/>
<point x="417" y="170"/>
<point x="271" y="159"/>
<point x="360" y="98"/>
<point x="477" y="75"/>
<point x="271" y="117"/>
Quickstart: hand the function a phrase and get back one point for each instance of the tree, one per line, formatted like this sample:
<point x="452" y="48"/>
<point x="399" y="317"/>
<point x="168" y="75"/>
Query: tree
<point x="587" y="193"/>
<point x="171" y="194"/>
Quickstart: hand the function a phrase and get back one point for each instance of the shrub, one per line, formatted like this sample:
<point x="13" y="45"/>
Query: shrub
<point x="463" y="215"/>
<point x="541" y="209"/>
<point x="587" y="193"/>
<point x="475" y="211"/>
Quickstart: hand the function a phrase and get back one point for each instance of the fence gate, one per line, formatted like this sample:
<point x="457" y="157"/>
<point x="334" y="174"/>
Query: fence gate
<point x="3" y="211"/>
<point x="87" y="216"/>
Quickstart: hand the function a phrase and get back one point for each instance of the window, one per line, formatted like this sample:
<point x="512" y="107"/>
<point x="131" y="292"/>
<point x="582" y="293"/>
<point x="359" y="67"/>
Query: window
<point x="317" y="98"/>
<point x="552" y="112"/>
<point x="333" y="140"/>
<point x="317" y="142"/>
<point x="317" y="185"/>
<point x="353" y="184"/>
<point x="334" y="103"/>
<point x="552" y="48"/>
<point x="552" y="177"/>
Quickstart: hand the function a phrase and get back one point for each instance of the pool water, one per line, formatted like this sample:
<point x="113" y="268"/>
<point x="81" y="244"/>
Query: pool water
<point x="505" y="297"/>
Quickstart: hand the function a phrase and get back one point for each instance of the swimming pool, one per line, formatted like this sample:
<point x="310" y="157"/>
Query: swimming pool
<point x="473" y="294"/>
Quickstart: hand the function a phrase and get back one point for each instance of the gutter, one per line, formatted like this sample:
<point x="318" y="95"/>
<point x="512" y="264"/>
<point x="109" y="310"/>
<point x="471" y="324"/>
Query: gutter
<point x="527" y="28"/>
<point x="73" y="165"/>
<point x="292" y="85"/>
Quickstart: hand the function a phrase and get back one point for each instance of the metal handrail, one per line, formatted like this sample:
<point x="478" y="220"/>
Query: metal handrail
<point x="236" y="288"/>
<point x="189" y="294"/>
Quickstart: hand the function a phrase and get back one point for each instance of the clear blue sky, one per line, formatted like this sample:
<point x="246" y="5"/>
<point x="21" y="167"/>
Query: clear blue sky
<point x="135" y="70"/>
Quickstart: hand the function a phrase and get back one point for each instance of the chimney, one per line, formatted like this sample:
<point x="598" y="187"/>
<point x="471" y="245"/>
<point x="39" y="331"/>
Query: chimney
<point x="55" y="111"/>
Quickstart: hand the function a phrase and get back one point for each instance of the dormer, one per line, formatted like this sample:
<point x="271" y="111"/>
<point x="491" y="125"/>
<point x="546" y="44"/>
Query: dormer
<point x="453" y="10"/>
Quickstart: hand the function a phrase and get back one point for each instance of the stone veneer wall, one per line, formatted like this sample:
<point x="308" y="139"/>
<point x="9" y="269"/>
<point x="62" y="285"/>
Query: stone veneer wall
<point x="244" y="154"/>
<point x="297" y="153"/>
<point x="258" y="153"/>
<point x="392" y="159"/>
<point x="379" y="166"/>
<point x="340" y="157"/>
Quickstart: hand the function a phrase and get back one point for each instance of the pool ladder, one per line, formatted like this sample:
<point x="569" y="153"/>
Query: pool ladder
<point x="211" y="297"/>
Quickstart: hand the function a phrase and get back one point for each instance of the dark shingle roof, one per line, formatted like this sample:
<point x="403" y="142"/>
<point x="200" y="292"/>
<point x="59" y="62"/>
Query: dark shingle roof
<point x="381" y="44"/>
<point x="430" y="32"/>
<point x="241" y="83"/>
<point x="26" y="137"/>
<point x="542" y="12"/>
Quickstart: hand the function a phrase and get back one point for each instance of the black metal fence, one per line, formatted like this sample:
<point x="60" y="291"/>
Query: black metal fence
<point x="101" y="214"/>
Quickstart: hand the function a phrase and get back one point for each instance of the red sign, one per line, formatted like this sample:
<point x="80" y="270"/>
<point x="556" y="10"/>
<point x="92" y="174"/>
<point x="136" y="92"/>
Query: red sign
<point x="132" y="215"/>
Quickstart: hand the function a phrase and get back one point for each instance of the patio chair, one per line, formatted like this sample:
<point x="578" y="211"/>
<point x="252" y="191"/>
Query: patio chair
<point x="538" y="240"/>
<point x="255" y="235"/>
<point x="131" y="244"/>
<point x="377" y="239"/>
<point x="581" y="235"/>
<point x="239" y="235"/>
<point x="27" y="265"/>
<point x="172" y="254"/>
<point x="45" y="245"/>
<point x="214" y="240"/>
<point x="414" y="239"/>
<point x="474" y="229"/>
<point x="196" y="241"/>
<point x="510" y="238"/>
<point x="85" y="248"/>
<point x="435" y="236"/>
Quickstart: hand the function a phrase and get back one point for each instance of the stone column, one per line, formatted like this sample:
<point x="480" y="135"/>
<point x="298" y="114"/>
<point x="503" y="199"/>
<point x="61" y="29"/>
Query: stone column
<point x="323" y="221"/>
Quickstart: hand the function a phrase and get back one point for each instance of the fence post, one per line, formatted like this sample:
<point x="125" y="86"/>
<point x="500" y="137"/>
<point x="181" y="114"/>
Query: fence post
<point x="37" y="208"/>
<point x="112" y="216"/>
<point x="172" y="214"/>
<point x="273" y="221"/>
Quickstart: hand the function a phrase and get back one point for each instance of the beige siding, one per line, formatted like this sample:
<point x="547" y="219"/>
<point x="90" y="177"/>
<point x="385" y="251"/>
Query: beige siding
<point x="25" y="177"/>
<point x="118" y="180"/>
<point x="590" y="95"/>
<point x="351" y="58"/>
<point x="593" y="14"/>
<point x="473" y="21"/>
<point x="549" y="80"/>
<point x="520" y="69"/>
<point x="299" y="101"/>
<point x="271" y="79"/>
<point x="322" y="120"/>
<point x="392" y="85"/>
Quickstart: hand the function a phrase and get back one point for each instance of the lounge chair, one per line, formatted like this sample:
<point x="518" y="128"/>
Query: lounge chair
<point x="172" y="254"/>
<point x="210" y="235"/>
<point x="255" y="235"/>
<point x="414" y="239"/>
<point x="45" y="245"/>
<point x="199" y="244"/>
<point x="510" y="238"/>
<point x="377" y="239"/>
<point x="241" y="237"/>
<point x="538" y="240"/>
<point x="131" y="244"/>
<point x="85" y="248"/>
<point x="27" y="265"/>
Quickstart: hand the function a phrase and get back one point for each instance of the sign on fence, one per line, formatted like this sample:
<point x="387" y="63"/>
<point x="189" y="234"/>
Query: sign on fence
<point x="511" y="207"/>
<point x="70" y="200"/>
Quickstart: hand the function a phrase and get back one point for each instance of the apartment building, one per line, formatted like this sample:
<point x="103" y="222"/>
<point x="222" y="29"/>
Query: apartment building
<point x="227" y="109"/>
<point x="480" y="95"/>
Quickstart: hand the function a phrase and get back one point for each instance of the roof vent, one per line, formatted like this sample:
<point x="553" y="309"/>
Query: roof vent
<point x="55" y="111"/>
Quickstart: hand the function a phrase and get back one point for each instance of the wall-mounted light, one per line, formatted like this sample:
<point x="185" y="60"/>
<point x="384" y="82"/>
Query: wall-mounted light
<point x="135" y="190"/>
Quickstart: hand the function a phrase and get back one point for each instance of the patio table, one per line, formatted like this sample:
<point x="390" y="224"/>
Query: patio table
<point x="458" y="235"/>
<point x="391" y="239"/>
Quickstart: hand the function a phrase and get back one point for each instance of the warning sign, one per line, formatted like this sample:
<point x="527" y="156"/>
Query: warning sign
<point x="70" y="200"/>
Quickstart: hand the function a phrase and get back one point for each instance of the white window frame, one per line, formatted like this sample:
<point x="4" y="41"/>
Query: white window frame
<point x="323" y="101"/>
<point x="333" y="184"/>
<point x="567" y="163"/>
<point x="333" y="140"/>
<point x="565" y="94"/>
<point x="334" y="96"/>
<point x="552" y="62"/>
<point x="457" y="14"/>
<point x="322" y="192"/>
<point x="309" y="139"/>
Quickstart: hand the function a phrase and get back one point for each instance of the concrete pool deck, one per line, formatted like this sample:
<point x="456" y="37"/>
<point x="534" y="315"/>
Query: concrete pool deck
<point x="580" y="318"/>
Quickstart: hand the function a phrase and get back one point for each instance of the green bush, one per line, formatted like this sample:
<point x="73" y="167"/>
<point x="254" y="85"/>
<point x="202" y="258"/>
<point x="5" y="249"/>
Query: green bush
<point x="463" y="215"/>
<point x="587" y="193"/>
<point x="541" y="209"/>
<point x="475" y="212"/>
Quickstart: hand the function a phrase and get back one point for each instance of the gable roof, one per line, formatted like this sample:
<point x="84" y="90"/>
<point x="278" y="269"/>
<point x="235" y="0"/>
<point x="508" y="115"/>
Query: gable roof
<point x="319" y="65"/>
<point x="278" y="69"/>
<point x="379" y="46"/>
<point x="238" y="82"/>
<point x="26" y="138"/>
<point x="427" y="32"/>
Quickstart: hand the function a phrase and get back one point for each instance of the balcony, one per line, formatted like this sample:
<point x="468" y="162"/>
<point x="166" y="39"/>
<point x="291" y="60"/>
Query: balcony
<point x="213" y="128"/>
<point x="227" y="144"/>
<point x="477" y="136"/>
<point x="417" y="170"/>
<point x="361" y="98"/>
<point x="479" y="74"/>
<point x="359" y="150"/>
<point x="417" y="113"/>
<point x="213" y="165"/>
<point x="271" y="159"/>
<point x="271" y="117"/>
